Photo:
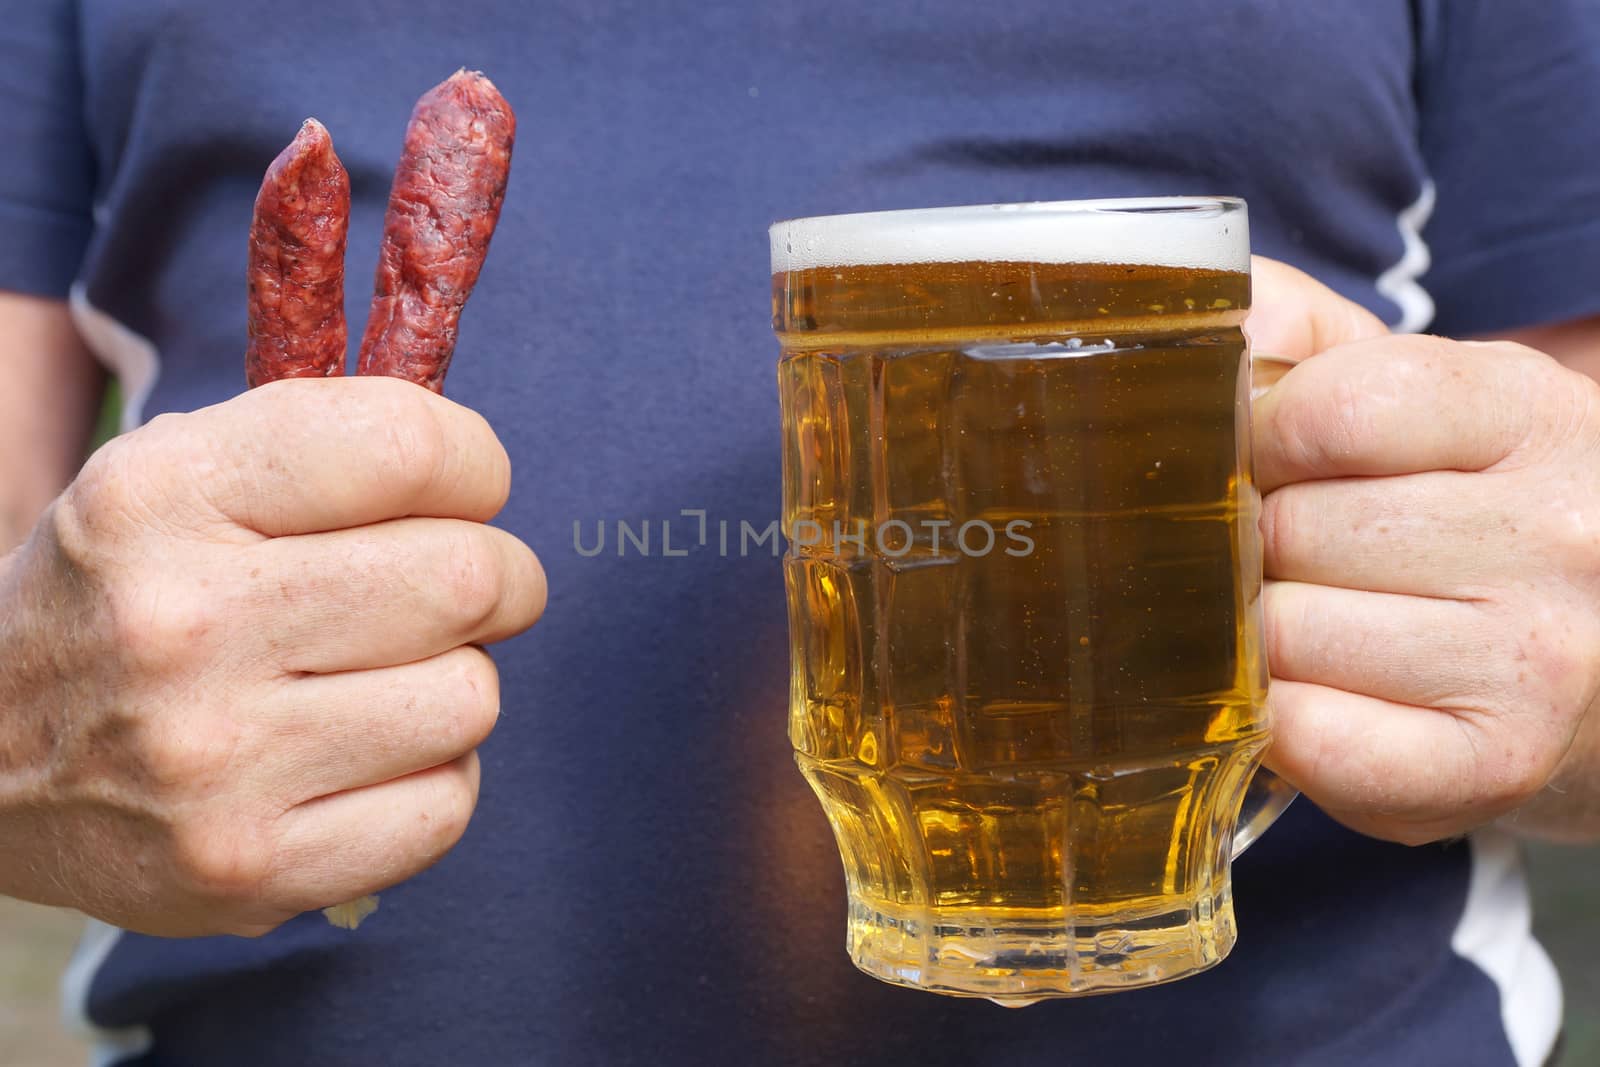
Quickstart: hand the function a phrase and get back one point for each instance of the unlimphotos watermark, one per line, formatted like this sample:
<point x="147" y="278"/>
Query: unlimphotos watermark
<point x="893" y="538"/>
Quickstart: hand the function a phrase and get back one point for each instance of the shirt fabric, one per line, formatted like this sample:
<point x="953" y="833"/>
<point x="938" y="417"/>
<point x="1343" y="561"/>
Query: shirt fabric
<point x="647" y="879"/>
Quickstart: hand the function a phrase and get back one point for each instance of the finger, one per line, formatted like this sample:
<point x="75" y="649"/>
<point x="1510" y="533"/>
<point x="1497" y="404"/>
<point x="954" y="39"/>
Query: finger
<point x="1295" y="316"/>
<point x="305" y="455"/>
<point x="1402" y="772"/>
<point x="1396" y="405"/>
<point x="328" y="733"/>
<point x="337" y="848"/>
<point x="1411" y="650"/>
<point x="1439" y="534"/>
<point x="395" y="592"/>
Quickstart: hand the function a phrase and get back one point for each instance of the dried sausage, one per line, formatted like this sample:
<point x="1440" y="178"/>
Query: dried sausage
<point x="296" y="268"/>
<point x="442" y="211"/>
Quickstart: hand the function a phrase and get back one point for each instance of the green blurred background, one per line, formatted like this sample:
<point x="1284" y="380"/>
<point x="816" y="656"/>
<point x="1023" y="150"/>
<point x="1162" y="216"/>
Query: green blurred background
<point x="35" y="943"/>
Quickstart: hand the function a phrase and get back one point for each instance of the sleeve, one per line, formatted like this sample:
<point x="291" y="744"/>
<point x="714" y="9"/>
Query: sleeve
<point x="46" y="167"/>
<point x="1506" y="95"/>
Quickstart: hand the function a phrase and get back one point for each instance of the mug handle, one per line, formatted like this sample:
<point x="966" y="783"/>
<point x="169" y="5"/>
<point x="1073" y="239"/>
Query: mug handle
<point x="1267" y="795"/>
<point x="1265" y="798"/>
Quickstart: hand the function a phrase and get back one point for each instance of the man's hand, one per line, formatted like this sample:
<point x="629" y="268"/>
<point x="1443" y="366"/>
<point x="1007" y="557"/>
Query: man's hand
<point x="239" y="673"/>
<point x="1432" y="533"/>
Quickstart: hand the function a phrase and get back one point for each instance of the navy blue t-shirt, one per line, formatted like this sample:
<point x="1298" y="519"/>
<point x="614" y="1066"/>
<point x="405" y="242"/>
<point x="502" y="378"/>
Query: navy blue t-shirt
<point x="647" y="879"/>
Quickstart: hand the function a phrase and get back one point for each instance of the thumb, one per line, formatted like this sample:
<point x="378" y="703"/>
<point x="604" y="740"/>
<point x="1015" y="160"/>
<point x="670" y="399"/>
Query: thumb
<point x="1295" y="316"/>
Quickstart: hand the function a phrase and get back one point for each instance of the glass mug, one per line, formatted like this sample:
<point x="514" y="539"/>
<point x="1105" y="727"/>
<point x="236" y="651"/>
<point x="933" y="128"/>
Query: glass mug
<point x="1024" y="579"/>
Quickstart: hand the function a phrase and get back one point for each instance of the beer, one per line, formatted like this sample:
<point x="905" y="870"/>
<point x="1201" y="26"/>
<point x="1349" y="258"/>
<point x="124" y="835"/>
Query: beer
<point x="1023" y="581"/>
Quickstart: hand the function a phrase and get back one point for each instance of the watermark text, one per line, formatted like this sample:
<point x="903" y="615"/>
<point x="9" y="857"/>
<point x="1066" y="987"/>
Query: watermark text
<point x="695" y="531"/>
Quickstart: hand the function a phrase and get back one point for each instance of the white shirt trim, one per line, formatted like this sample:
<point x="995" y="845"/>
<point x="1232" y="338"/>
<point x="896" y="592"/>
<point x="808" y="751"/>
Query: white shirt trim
<point x="1399" y="283"/>
<point x="128" y="355"/>
<point x="1495" y="933"/>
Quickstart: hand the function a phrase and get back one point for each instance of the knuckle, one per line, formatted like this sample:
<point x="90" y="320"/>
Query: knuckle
<point x="231" y="862"/>
<point x="1559" y="697"/>
<point x="1277" y="625"/>
<point x="134" y="483"/>
<point x="1281" y="524"/>
<point x="448" y="809"/>
<point x="1553" y="653"/>
<point x="494" y="461"/>
<point x="1337" y="427"/>
<point x="1542" y="405"/>
<point x="523" y="589"/>
<point x="462" y="705"/>
<point x="182" y="757"/>
<point x="1555" y="662"/>
<point x="100" y="499"/>
<point x="72" y="536"/>
<point x="479" y="684"/>
<point x="1565" y="534"/>
<point x="1561" y="530"/>
<point x="159" y="628"/>
<point x="1520" y="776"/>
<point x="538" y="591"/>
<point x="473" y="577"/>
<point x="1505" y="770"/>
<point x="414" y="448"/>
<point x="166" y="438"/>
<point x="455" y="817"/>
<point x="1318" y="428"/>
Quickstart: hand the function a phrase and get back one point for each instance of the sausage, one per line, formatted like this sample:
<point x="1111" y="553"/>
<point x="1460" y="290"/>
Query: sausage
<point x="296" y="268"/>
<point x="442" y="211"/>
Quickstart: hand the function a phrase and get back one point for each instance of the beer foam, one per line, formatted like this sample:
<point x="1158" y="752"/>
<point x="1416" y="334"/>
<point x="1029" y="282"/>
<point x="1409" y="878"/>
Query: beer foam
<point x="1207" y="233"/>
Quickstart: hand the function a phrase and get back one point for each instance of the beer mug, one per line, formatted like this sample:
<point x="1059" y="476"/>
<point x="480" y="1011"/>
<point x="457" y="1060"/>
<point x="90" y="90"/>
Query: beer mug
<point x="1024" y="584"/>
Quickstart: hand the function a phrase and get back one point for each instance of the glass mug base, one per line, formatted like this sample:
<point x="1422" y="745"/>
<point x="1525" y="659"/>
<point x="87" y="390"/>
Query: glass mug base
<point x="1053" y="880"/>
<point x="1019" y="961"/>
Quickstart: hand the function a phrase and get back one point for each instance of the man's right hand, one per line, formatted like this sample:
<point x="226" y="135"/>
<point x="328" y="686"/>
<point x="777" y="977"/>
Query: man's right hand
<point x="239" y="666"/>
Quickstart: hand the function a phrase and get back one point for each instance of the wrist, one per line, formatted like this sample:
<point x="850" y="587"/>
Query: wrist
<point x="22" y="773"/>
